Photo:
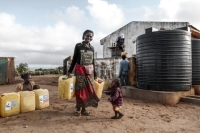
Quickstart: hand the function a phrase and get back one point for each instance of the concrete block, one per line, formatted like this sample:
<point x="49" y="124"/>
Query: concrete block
<point x="164" y="97"/>
<point x="196" y="89"/>
<point x="191" y="99"/>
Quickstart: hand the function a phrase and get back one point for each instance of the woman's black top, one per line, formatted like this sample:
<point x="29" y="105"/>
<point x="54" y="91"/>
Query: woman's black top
<point x="83" y="55"/>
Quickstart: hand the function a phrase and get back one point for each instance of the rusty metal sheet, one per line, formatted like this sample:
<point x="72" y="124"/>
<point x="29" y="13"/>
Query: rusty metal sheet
<point x="10" y="71"/>
<point x="132" y="72"/>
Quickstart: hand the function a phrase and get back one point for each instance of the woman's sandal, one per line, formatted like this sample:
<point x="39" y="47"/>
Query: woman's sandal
<point x="85" y="113"/>
<point x="77" y="113"/>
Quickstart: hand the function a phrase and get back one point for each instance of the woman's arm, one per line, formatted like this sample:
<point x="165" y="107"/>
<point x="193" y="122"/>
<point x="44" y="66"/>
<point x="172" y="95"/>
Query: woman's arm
<point x="74" y="60"/>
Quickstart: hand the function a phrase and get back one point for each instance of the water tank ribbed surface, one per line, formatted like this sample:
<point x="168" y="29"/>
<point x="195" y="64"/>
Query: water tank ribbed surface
<point x="163" y="60"/>
<point x="196" y="61"/>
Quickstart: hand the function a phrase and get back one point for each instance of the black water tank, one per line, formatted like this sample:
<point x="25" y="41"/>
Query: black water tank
<point x="163" y="60"/>
<point x="196" y="61"/>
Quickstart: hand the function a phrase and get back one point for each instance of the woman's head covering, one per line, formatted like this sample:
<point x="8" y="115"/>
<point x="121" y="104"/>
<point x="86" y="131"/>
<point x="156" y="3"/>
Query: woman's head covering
<point x="87" y="31"/>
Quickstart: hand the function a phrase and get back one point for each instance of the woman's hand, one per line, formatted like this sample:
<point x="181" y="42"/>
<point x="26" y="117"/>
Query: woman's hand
<point x="69" y="75"/>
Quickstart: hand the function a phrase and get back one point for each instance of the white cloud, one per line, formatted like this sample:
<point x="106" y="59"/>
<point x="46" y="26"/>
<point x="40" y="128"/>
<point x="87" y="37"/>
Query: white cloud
<point x="175" y="10"/>
<point x="75" y="14"/>
<point x="108" y="17"/>
<point x="167" y="10"/>
<point x="48" y="45"/>
<point x="42" y="46"/>
<point x="72" y="15"/>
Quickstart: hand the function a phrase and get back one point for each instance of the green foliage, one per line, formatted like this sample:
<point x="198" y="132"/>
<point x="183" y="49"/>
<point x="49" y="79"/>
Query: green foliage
<point x="16" y="72"/>
<point x="22" y="68"/>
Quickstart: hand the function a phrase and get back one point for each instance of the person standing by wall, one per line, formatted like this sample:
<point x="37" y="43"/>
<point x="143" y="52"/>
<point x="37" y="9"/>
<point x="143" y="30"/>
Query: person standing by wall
<point x="83" y="61"/>
<point x="124" y="71"/>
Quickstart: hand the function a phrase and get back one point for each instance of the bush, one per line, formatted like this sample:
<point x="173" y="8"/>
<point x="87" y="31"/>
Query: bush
<point x="22" y="68"/>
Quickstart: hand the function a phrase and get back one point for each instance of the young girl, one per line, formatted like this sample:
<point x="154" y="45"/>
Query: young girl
<point x="116" y="98"/>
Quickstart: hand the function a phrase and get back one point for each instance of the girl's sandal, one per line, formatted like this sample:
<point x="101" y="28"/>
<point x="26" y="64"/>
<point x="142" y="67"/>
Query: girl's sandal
<point x="77" y="113"/>
<point x="85" y="113"/>
<point x="114" y="117"/>
<point x="120" y="116"/>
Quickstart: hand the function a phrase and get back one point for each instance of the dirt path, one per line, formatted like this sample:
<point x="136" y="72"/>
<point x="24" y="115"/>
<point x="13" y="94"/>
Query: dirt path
<point x="140" y="116"/>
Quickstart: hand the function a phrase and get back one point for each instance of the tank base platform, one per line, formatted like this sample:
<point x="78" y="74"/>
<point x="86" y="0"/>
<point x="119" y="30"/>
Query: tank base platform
<point x="163" y="97"/>
<point x="196" y="89"/>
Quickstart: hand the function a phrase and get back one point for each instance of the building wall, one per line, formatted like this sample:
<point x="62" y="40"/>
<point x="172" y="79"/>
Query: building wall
<point x="131" y="31"/>
<point x="108" y="69"/>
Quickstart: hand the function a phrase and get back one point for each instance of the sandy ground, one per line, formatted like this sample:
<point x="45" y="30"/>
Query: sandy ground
<point x="140" y="116"/>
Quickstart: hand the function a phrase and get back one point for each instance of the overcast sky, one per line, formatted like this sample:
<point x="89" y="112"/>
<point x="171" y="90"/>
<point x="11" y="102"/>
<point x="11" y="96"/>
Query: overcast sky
<point x="44" y="32"/>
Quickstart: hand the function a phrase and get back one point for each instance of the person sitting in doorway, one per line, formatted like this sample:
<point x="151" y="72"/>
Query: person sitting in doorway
<point x="27" y="85"/>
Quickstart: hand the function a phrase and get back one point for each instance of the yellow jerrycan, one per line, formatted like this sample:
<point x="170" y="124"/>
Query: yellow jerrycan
<point x="41" y="98"/>
<point x="98" y="87"/>
<point x="66" y="87"/>
<point x="9" y="104"/>
<point x="27" y="101"/>
<point x="106" y="84"/>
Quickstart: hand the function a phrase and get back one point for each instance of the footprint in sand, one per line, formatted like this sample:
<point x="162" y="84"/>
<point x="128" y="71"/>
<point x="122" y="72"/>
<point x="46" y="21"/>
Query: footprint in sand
<point x="166" y="117"/>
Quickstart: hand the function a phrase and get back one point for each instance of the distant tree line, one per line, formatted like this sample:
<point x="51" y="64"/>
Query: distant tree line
<point x="23" y="68"/>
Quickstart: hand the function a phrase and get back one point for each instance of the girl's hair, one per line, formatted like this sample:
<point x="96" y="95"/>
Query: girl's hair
<point x="87" y="31"/>
<point x="25" y="76"/>
<point x="117" y="83"/>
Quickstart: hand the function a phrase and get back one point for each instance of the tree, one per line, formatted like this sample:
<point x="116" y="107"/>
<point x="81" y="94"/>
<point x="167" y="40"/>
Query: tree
<point x="22" y="68"/>
<point x="16" y="72"/>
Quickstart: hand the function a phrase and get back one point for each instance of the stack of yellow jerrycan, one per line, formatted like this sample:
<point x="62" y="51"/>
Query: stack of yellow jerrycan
<point x="66" y="87"/>
<point x="98" y="87"/>
<point x="9" y="104"/>
<point x="41" y="98"/>
<point x="27" y="101"/>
